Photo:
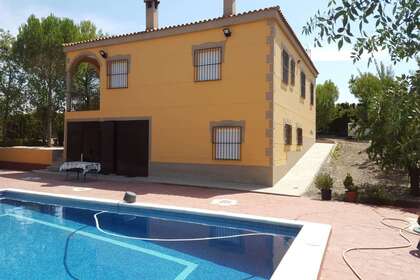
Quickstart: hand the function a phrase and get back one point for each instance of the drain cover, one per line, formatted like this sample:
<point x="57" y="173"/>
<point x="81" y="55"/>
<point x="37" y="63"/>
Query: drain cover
<point x="224" y="202"/>
<point x="81" y="189"/>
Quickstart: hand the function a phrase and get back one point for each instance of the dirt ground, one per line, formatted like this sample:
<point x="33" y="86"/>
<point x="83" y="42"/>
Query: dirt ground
<point x="351" y="157"/>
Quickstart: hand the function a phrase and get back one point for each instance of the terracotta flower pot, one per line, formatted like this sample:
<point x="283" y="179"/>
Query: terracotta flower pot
<point x="326" y="194"/>
<point x="351" y="196"/>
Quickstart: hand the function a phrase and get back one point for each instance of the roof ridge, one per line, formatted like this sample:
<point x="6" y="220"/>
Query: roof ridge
<point x="104" y="38"/>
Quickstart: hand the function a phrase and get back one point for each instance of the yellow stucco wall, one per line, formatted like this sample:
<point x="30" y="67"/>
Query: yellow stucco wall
<point x="161" y="86"/>
<point x="288" y="106"/>
<point x="28" y="155"/>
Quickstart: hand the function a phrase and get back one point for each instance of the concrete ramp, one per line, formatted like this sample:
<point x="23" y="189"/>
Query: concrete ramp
<point x="302" y="174"/>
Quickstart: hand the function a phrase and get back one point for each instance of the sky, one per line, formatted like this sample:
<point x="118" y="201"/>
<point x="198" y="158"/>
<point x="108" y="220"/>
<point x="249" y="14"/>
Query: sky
<point x="124" y="16"/>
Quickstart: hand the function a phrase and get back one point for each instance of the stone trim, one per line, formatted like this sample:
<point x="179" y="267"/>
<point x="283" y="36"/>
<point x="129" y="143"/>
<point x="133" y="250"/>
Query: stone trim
<point x="269" y="114"/>
<point x="209" y="45"/>
<point x="85" y="54"/>
<point x="227" y="123"/>
<point x="287" y="121"/>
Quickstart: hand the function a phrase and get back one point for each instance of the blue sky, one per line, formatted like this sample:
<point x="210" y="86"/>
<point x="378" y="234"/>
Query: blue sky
<point x="115" y="17"/>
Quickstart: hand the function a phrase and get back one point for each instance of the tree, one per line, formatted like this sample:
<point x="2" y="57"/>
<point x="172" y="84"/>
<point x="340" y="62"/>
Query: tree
<point x="86" y="84"/>
<point x="391" y="25"/>
<point x="12" y="85"/>
<point x="326" y="96"/>
<point x="366" y="88"/>
<point x="38" y="48"/>
<point x="345" y="114"/>
<point x="389" y="116"/>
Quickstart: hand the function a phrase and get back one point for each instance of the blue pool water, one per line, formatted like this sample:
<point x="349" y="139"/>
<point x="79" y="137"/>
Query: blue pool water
<point x="50" y="238"/>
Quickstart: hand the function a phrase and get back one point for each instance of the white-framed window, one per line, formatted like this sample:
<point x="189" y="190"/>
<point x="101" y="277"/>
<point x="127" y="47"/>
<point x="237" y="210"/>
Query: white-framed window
<point x="117" y="73"/>
<point x="208" y="64"/>
<point x="227" y="143"/>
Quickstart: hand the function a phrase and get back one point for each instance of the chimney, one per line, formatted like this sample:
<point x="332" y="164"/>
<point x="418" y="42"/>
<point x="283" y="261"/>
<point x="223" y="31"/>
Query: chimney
<point x="152" y="14"/>
<point x="229" y="8"/>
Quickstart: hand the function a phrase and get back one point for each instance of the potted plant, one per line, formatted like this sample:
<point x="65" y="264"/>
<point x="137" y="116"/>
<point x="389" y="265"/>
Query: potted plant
<point x="324" y="183"/>
<point x="351" y="189"/>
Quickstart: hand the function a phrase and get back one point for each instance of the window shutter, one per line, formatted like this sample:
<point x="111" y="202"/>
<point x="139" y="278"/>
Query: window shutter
<point x="292" y="72"/>
<point x="287" y="134"/>
<point x="302" y="85"/>
<point x="285" y="58"/>
<point x="299" y="133"/>
<point x="312" y="94"/>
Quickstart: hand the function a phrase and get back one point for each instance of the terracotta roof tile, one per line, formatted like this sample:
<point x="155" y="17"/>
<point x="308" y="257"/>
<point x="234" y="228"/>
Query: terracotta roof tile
<point x="274" y="8"/>
<point x="167" y="27"/>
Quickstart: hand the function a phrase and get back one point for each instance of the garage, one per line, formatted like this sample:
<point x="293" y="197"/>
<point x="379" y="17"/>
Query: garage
<point x="122" y="147"/>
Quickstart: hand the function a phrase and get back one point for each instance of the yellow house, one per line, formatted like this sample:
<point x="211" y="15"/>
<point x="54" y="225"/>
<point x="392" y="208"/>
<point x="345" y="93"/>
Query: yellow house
<point x="229" y="99"/>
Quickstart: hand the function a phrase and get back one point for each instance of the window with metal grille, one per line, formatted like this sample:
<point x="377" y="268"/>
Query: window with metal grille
<point x="312" y="94"/>
<point x="227" y="143"/>
<point x="118" y="73"/>
<point x="299" y="134"/>
<point x="302" y="85"/>
<point x="287" y="134"/>
<point x="292" y="72"/>
<point x="207" y="63"/>
<point x="285" y="58"/>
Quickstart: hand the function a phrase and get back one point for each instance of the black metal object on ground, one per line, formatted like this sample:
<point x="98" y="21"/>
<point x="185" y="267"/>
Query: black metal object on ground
<point x="130" y="197"/>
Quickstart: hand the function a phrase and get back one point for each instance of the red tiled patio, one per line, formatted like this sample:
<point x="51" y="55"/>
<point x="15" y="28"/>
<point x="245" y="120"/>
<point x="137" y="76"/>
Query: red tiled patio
<point x="354" y="225"/>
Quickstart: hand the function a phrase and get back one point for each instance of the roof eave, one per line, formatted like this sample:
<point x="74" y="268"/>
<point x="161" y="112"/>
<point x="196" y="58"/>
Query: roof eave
<point x="273" y="12"/>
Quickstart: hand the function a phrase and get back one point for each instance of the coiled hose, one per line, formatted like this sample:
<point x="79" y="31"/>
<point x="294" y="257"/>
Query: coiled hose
<point x="408" y="244"/>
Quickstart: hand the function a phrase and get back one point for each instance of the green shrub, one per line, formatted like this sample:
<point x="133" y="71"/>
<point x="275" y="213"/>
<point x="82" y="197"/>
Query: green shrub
<point x="376" y="194"/>
<point x="324" y="182"/>
<point x="348" y="183"/>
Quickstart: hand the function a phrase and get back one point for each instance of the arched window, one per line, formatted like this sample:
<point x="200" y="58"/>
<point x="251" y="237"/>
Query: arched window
<point x="84" y="84"/>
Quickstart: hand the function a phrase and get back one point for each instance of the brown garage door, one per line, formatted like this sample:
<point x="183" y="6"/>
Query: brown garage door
<point x="122" y="147"/>
<point x="84" y="138"/>
<point x="132" y="148"/>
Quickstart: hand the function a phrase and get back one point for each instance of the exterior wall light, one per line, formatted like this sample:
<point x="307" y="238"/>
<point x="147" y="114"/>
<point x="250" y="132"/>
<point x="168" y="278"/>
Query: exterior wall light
<point x="227" y="32"/>
<point x="103" y="54"/>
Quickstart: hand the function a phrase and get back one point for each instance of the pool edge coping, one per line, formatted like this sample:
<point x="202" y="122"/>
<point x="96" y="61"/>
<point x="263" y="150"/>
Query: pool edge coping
<point x="303" y="259"/>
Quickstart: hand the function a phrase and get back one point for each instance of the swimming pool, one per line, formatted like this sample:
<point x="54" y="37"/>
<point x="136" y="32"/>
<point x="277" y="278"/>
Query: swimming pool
<point x="55" y="237"/>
